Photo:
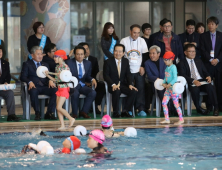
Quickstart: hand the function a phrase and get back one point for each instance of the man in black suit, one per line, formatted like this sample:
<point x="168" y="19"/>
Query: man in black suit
<point x="49" y="50"/>
<point x="211" y="54"/>
<point x="81" y="69"/>
<point x="38" y="85"/>
<point x="194" y="71"/>
<point x="7" y="95"/>
<point x="100" y="90"/>
<point x="116" y="72"/>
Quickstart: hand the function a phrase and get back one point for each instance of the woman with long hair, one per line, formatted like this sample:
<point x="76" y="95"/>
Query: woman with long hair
<point x="108" y="40"/>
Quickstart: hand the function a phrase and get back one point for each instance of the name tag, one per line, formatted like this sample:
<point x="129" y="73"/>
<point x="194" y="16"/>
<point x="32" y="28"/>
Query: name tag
<point x="212" y="53"/>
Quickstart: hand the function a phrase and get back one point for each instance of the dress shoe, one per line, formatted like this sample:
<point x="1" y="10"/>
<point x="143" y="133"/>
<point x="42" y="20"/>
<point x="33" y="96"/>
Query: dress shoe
<point x="216" y="112"/>
<point x="202" y="111"/>
<point x="74" y="116"/>
<point x="83" y="114"/>
<point x="37" y="117"/>
<point x="13" y="118"/>
<point x="50" y="116"/>
<point x="97" y="111"/>
<point x="126" y="114"/>
<point x="116" y="115"/>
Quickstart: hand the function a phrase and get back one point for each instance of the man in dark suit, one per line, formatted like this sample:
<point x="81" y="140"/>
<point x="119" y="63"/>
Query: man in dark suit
<point x="81" y="69"/>
<point x="194" y="71"/>
<point x="155" y="68"/>
<point x="38" y="85"/>
<point x="116" y="72"/>
<point x="7" y="95"/>
<point x="190" y="36"/>
<point x="100" y="90"/>
<point x="49" y="50"/>
<point x="211" y="54"/>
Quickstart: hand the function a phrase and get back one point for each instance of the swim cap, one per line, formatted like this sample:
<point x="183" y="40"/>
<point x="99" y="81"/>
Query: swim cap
<point x="169" y="55"/>
<point x="75" y="142"/>
<point x="97" y="135"/>
<point x="41" y="144"/>
<point x="61" y="53"/>
<point x="106" y="121"/>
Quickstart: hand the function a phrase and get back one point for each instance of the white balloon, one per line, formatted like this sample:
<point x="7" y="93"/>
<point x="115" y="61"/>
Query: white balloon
<point x="80" y="150"/>
<point x="47" y="150"/>
<point x="182" y="80"/>
<point x="130" y="132"/>
<point x="79" y="129"/>
<point x="41" y="144"/>
<point x="158" y="84"/>
<point x="7" y="87"/>
<point x="41" y="71"/>
<point x="65" y="75"/>
<point x="178" y="88"/>
<point x="75" y="81"/>
<point x="33" y="146"/>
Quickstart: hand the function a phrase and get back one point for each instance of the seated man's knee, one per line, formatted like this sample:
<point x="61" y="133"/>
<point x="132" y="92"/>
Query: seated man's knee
<point x="33" y="92"/>
<point x="75" y="95"/>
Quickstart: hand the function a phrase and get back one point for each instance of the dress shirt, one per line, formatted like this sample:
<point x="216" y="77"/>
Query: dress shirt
<point x="195" y="68"/>
<point x="36" y="63"/>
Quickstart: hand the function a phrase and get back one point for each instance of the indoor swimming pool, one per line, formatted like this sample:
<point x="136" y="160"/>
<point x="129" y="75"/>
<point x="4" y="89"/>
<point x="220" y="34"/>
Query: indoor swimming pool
<point x="198" y="148"/>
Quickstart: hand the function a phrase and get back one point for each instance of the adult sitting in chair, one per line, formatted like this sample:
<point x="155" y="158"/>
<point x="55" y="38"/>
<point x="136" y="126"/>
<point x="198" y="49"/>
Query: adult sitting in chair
<point x="194" y="71"/>
<point x="116" y="72"/>
<point x="155" y="68"/>
<point x="81" y="69"/>
<point x="7" y="95"/>
<point x="38" y="86"/>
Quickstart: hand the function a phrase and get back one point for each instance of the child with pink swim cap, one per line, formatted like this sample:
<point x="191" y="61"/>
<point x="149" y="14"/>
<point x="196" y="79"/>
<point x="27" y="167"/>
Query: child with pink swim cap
<point x="107" y="124"/>
<point x="95" y="142"/>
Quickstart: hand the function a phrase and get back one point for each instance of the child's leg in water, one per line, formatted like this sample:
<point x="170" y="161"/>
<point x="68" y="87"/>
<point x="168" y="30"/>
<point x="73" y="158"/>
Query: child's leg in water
<point x="166" y="99"/>
<point x="62" y="112"/>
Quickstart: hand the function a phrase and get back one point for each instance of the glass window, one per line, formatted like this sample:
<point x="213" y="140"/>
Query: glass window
<point x="162" y="10"/>
<point x="1" y="21"/>
<point x="135" y="13"/>
<point x="14" y="36"/>
<point x="106" y="12"/>
<point x="193" y="10"/>
<point x="81" y="23"/>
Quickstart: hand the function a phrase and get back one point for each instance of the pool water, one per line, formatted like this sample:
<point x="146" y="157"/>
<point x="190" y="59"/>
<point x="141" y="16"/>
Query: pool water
<point x="168" y="149"/>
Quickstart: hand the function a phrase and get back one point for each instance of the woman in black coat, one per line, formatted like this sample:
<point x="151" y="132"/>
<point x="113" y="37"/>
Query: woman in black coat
<point x="108" y="40"/>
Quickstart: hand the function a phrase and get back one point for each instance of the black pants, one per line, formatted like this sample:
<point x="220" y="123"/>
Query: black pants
<point x="131" y="96"/>
<point x="148" y="95"/>
<point x="100" y="92"/>
<point x="34" y="92"/>
<point x="139" y="82"/>
<point x="8" y="96"/>
<point x="211" y="94"/>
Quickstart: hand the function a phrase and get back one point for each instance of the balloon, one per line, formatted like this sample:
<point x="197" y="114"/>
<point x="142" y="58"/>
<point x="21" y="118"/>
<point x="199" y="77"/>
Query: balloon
<point x="79" y="131"/>
<point x="178" y="88"/>
<point x="47" y="150"/>
<point x="158" y="84"/>
<point x="130" y="132"/>
<point x="181" y="80"/>
<point x="75" y="81"/>
<point x="41" y="144"/>
<point x="80" y="150"/>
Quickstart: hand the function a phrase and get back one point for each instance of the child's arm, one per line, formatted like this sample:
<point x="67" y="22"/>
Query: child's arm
<point x="174" y="75"/>
<point x="50" y="77"/>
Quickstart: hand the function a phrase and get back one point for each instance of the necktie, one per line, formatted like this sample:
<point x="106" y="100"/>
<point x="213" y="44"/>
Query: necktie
<point x="80" y="75"/>
<point x="118" y="68"/>
<point x="38" y="64"/>
<point x="213" y="41"/>
<point x="193" y="74"/>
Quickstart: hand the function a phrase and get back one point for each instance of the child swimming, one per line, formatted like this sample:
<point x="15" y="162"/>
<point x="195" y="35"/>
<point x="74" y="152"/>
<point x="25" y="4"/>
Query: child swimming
<point x="168" y="82"/>
<point x="107" y="124"/>
<point x="95" y="142"/>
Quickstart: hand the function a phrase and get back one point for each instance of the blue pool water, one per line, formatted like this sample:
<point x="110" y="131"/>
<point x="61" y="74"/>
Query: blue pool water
<point x="168" y="149"/>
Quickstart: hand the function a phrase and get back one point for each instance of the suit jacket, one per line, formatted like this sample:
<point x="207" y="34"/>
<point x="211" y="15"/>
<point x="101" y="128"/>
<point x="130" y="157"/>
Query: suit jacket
<point x="195" y="37"/>
<point x="110" y="72"/>
<point x="206" y="47"/>
<point x="6" y="76"/>
<point x="50" y="62"/>
<point x="29" y="73"/>
<point x="152" y="71"/>
<point x="152" y="38"/>
<point x="95" y="66"/>
<point x="73" y="68"/>
<point x="184" y="70"/>
<point x="175" y="45"/>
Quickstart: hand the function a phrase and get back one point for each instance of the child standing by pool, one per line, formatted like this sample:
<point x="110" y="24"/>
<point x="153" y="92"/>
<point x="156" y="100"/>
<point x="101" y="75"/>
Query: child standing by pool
<point x="169" y="80"/>
<point x="107" y="124"/>
<point x="95" y="142"/>
<point x="63" y="89"/>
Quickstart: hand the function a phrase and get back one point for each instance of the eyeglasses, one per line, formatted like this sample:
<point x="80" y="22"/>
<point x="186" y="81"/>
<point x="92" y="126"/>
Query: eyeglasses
<point x="56" y="56"/>
<point x="166" y="26"/>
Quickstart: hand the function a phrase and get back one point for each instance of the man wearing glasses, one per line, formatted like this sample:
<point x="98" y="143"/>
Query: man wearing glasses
<point x="198" y="79"/>
<point x="169" y="41"/>
<point x="190" y="36"/>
